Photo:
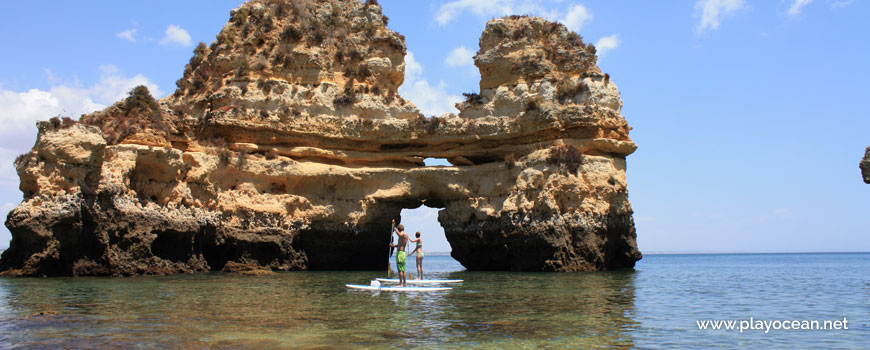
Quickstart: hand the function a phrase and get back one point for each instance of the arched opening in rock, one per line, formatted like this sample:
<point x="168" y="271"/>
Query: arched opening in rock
<point x="436" y="162"/>
<point x="436" y="248"/>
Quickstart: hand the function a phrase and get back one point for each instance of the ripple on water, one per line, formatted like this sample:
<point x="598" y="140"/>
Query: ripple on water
<point x="654" y="306"/>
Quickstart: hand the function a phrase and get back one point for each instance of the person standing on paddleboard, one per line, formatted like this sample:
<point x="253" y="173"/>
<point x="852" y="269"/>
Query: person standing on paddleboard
<point x="419" y="252"/>
<point x="401" y="255"/>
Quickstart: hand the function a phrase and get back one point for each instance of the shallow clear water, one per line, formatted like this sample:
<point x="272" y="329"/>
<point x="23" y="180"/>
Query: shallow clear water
<point x="654" y="306"/>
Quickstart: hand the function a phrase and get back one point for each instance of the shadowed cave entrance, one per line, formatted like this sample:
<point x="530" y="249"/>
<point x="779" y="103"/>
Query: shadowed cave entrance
<point x="366" y="247"/>
<point x="436" y="247"/>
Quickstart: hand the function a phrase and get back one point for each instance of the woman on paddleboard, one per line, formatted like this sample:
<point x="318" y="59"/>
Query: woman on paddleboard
<point x="419" y="252"/>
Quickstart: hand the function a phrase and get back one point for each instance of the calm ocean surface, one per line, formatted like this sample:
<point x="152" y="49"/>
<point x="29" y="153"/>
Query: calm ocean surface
<point x="654" y="306"/>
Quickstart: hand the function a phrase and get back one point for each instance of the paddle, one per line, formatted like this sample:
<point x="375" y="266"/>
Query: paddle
<point x="393" y="229"/>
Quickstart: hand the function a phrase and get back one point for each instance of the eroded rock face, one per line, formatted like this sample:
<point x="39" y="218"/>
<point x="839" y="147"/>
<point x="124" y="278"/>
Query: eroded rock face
<point x="287" y="146"/>
<point x="865" y="166"/>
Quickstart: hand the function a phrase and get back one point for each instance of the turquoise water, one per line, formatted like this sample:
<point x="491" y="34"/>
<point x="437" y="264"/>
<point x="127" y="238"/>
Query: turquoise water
<point x="654" y="306"/>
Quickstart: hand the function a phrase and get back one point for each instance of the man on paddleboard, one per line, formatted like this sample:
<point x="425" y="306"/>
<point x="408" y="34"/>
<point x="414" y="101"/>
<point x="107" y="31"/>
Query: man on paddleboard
<point x="401" y="255"/>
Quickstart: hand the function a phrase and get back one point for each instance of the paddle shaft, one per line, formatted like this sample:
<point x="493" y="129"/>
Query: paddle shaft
<point x="390" y="249"/>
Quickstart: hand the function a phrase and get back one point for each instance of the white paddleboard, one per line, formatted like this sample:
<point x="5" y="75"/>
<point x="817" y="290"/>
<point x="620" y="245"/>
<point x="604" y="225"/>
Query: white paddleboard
<point x="397" y="289"/>
<point x="396" y="280"/>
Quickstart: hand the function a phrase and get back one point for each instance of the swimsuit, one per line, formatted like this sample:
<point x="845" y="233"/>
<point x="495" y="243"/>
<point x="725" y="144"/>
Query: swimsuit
<point x="400" y="261"/>
<point x="420" y="249"/>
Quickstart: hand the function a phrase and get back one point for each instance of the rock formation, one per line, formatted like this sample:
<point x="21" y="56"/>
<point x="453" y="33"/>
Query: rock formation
<point x="287" y="146"/>
<point x="865" y="166"/>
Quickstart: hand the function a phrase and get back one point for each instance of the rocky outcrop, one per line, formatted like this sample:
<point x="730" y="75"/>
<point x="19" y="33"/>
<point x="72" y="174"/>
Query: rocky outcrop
<point x="287" y="146"/>
<point x="865" y="166"/>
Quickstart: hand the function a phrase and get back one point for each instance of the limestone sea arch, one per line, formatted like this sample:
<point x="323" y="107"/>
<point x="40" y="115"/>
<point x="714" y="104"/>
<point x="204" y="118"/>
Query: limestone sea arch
<point x="287" y="145"/>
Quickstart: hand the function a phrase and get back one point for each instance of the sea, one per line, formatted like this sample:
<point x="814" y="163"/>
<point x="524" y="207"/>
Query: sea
<point x="661" y="304"/>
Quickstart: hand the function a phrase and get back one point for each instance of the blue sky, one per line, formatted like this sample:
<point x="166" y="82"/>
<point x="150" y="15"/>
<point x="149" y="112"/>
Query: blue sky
<point x="750" y="116"/>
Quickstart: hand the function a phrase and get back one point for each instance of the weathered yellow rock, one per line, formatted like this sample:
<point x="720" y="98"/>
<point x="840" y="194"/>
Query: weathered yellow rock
<point x="73" y="145"/>
<point x="286" y="145"/>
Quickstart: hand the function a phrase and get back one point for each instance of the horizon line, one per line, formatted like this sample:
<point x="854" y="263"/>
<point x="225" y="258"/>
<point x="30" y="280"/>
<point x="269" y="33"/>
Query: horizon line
<point x="711" y="252"/>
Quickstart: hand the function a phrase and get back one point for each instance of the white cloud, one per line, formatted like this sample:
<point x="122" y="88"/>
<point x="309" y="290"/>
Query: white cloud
<point x="413" y="69"/>
<point x="21" y="109"/>
<point x="175" y="35"/>
<point x="711" y="10"/>
<point x="576" y="17"/>
<point x="109" y="68"/>
<point x="127" y="35"/>
<point x="606" y="44"/>
<point x="114" y="86"/>
<point x="481" y="8"/>
<point x="639" y="218"/>
<point x="432" y="100"/>
<point x="49" y="75"/>
<point x="7" y="206"/>
<point x="797" y="6"/>
<point x="841" y="3"/>
<point x="534" y="8"/>
<point x="495" y="8"/>
<point x="460" y="56"/>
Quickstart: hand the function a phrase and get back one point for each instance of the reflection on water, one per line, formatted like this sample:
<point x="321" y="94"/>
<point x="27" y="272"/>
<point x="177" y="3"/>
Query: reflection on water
<point x="512" y="309"/>
<point x="653" y="306"/>
<point x="314" y="309"/>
